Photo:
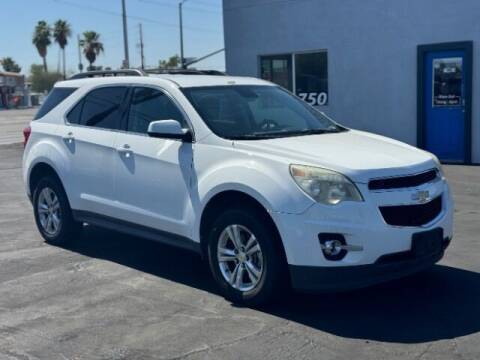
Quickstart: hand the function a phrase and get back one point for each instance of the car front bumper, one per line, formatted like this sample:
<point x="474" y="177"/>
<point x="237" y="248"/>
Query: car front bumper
<point x="363" y="227"/>
<point x="332" y="279"/>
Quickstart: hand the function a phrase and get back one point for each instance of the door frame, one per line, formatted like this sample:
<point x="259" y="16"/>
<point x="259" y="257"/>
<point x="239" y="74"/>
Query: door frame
<point x="422" y="50"/>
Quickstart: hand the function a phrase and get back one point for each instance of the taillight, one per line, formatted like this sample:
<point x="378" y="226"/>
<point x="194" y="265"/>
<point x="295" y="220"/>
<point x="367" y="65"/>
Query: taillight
<point x="26" y="134"/>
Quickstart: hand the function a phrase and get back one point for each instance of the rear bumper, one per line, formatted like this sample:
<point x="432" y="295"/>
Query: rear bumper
<point x="342" y="278"/>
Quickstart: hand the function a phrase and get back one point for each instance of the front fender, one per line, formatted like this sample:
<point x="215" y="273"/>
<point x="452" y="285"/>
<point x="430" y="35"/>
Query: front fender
<point x="270" y="186"/>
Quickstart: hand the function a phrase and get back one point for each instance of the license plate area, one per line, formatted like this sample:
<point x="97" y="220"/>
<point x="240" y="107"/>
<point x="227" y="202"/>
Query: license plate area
<point x="427" y="242"/>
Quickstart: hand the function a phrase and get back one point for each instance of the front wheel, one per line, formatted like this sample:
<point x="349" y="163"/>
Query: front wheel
<point x="245" y="257"/>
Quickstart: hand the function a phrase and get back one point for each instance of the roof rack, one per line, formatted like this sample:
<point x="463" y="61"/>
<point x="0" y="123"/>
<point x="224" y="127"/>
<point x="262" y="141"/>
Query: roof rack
<point x="184" y="72"/>
<point x="104" y="73"/>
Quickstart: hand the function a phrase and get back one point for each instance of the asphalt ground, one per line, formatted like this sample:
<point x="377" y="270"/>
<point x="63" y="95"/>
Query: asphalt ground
<point x="112" y="296"/>
<point x="12" y="123"/>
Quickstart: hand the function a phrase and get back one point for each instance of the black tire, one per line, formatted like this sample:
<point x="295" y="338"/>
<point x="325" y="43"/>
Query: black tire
<point x="274" y="276"/>
<point x="68" y="229"/>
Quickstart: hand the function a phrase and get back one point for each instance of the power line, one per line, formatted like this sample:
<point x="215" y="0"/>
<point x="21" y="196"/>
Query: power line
<point x="133" y="17"/>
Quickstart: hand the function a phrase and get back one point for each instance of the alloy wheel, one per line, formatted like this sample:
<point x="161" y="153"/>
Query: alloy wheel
<point x="240" y="257"/>
<point x="49" y="212"/>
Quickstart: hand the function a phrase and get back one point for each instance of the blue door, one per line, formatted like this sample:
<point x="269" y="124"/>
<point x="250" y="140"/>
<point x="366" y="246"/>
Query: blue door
<point x="444" y="105"/>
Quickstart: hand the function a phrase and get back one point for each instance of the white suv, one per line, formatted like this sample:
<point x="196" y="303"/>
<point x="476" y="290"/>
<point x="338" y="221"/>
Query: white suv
<point x="269" y="190"/>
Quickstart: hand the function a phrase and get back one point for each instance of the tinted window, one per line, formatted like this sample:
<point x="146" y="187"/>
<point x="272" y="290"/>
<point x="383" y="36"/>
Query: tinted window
<point x="277" y="69"/>
<point x="151" y="105"/>
<point x="311" y="77"/>
<point x="447" y="81"/>
<point x="244" y="111"/>
<point x="102" y="108"/>
<point x="56" y="96"/>
<point x="74" y="115"/>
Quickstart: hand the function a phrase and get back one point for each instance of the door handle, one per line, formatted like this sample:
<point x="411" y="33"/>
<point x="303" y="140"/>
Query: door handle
<point x="69" y="138"/>
<point x="125" y="149"/>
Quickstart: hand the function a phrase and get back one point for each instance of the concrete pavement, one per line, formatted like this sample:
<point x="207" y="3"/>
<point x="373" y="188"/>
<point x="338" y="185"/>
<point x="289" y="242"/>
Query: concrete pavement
<point x="12" y="123"/>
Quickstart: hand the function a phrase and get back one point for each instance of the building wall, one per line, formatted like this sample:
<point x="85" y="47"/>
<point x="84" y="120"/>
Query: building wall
<point x="372" y="51"/>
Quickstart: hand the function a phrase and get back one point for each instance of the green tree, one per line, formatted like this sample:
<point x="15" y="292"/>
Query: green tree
<point x="41" y="40"/>
<point x="10" y="65"/>
<point x="172" y="62"/>
<point x="41" y="80"/>
<point x="92" y="46"/>
<point x="61" y="32"/>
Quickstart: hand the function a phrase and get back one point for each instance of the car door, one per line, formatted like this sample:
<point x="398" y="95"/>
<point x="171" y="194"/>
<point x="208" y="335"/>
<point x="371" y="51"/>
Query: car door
<point x="152" y="175"/>
<point x="89" y="138"/>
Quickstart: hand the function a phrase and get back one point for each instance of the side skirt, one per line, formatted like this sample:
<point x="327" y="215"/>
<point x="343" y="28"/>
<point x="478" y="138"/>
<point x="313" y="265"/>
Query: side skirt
<point x="137" y="230"/>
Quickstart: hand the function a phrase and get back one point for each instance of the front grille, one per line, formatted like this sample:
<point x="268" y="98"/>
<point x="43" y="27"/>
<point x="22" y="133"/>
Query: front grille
<point x="403" y="181"/>
<point x="412" y="215"/>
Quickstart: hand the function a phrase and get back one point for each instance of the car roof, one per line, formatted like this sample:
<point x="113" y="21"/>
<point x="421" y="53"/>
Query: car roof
<point x="182" y="81"/>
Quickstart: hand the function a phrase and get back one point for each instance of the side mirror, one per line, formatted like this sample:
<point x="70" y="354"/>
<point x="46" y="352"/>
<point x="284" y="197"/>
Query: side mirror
<point x="169" y="129"/>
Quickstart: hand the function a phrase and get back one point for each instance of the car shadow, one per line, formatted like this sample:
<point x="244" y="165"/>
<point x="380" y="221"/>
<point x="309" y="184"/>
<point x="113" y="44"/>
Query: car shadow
<point x="441" y="303"/>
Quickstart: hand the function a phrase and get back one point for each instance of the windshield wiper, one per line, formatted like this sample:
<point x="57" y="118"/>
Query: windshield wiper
<point x="284" y="133"/>
<point x="250" y="137"/>
<point x="298" y="132"/>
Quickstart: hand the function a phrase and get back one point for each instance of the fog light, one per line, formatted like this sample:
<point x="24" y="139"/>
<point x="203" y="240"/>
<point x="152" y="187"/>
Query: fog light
<point x="332" y="247"/>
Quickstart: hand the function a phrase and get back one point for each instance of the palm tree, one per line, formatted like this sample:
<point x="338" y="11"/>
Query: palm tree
<point x="61" y="32"/>
<point x="10" y="65"/>
<point x="41" y="40"/>
<point x="92" y="46"/>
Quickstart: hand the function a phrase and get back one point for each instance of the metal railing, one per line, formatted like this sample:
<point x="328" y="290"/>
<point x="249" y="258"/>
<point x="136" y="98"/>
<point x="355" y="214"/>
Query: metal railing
<point x="138" y="72"/>
<point x="105" y="73"/>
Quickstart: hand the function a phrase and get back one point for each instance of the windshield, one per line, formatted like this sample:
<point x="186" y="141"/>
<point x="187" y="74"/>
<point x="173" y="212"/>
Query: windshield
<point x="257" y="112"/>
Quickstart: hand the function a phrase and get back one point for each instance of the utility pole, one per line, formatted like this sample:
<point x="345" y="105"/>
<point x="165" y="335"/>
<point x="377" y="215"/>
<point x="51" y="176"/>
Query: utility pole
<point x="126" y="61"/>
<point x="142" y="57"/>
<point x="80" y="65"/>
<point x="182" y="59"/>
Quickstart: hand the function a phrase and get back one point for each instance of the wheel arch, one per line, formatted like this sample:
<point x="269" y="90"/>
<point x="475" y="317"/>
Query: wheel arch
<point x="40" y="170"/>
<point x="227" y="199"/>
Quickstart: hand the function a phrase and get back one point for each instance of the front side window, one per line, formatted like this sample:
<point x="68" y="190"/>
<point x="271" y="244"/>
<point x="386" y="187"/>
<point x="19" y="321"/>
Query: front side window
<point x="56" y="96"/>
<point x="257" y="112"/>
<point x="102" y="108"/>
<point x="149" y="105"/>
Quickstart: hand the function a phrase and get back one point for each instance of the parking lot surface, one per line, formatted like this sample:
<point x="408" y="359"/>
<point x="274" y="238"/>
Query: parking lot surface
<point x="111" y="296"/>
<point x="12" y="123"/>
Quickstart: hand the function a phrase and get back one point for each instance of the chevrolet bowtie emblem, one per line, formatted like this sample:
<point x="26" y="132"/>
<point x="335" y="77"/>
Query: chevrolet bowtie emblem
<point x="421" y="196"/>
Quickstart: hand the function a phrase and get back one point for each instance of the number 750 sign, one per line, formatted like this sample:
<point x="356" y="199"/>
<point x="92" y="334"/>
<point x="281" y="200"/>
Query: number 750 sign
<point x="314" y="98"/>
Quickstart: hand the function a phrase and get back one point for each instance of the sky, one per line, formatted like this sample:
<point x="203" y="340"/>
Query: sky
<point x="202" y="19"/>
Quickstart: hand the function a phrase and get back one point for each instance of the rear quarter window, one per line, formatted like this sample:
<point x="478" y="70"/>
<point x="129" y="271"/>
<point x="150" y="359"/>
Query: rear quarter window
<point x="54" y="98"/>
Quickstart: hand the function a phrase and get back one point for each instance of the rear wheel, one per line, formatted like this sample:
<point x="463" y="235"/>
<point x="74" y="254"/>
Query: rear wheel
<point x="245" y="257"/>
<point x="53" y="215"/>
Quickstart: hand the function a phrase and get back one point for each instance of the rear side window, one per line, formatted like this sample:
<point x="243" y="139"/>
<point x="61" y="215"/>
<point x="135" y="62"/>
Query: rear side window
<point x="151" y="105"/>
<point x="56" y="96"/>
<point x="74" y="115"/>
<point x="101" y="108"/>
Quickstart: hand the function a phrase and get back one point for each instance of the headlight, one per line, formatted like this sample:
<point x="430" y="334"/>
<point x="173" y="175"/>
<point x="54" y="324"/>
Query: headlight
<point x="325" y="186"/>
<point x="439" y="165"/>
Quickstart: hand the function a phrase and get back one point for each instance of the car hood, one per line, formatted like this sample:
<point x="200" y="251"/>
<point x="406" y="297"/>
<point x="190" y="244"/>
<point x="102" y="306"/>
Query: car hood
<point x="359" y="155"/>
